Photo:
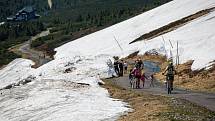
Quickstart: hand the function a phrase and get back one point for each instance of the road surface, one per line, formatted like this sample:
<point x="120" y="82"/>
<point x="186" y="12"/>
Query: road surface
<point x="202" y="99"/>
<point x="37" y="56"/>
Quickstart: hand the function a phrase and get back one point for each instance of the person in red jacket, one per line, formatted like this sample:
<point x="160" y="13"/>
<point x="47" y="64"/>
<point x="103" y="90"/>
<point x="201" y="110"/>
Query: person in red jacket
<point x="137" y="74"/>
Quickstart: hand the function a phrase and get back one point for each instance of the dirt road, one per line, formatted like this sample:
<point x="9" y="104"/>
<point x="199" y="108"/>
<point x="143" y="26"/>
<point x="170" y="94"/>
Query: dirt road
<point x="38" y="57"/>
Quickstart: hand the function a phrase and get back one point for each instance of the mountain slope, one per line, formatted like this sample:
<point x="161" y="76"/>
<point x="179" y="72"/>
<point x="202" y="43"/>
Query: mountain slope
<point x="103" y="42"/>
<point x="69" y="20"/>
<point x="67" y="87"/>
<point x="195" y="41"/>
<point x="65" y="10"/>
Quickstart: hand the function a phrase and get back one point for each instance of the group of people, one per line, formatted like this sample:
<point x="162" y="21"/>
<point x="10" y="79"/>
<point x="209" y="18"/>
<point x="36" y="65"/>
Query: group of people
<point x="136" y="75"/>
<point x="120" y="67"/>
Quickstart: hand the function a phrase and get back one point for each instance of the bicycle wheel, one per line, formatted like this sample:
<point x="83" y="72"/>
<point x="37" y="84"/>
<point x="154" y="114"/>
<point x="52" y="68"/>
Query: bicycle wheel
<point x="169" y="89"/>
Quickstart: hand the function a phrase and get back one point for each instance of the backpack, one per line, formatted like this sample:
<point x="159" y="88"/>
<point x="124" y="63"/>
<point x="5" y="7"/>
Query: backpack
<point x="170" y="70"/>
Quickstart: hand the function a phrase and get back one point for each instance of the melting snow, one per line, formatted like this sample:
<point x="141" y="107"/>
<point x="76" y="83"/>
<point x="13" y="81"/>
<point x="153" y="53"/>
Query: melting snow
<point x="57" y="94"/>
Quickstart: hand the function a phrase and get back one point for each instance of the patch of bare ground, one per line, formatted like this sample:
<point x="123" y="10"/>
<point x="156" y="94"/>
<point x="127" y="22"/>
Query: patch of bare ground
<point x="201" y="80"/>
<point x="173" y="26"/>
<point x="156" y="108"/>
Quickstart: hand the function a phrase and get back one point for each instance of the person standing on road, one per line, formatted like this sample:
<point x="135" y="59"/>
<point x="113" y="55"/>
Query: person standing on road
<point x="170" y="74"/>
<point x="137" y="74"/>
<point x="121" y="68"/>
<point x="116" y="67"/>
<point x="125" y="67"/>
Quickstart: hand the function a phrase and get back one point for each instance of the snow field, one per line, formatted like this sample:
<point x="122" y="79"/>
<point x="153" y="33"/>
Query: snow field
<point x="57" y="95"/>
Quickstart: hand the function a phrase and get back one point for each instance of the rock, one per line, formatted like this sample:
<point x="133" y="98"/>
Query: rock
<point x="84" y="84"/>
<point x="100" y="83"/>
<point x="68" y="70"/>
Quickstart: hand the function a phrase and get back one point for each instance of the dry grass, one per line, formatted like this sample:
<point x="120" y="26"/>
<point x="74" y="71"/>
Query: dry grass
<point x="202" y="80"/>
<point x="146" y="107"/>
<point x="156" y="108"/>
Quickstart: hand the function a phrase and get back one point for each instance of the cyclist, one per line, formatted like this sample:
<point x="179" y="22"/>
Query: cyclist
<point x="169" y="76"/>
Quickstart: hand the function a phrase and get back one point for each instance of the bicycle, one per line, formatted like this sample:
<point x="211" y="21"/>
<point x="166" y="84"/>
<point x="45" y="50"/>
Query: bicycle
<point x="169" y="85"/>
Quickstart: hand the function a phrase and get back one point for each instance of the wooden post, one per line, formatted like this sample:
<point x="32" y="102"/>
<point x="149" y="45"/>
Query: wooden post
<point x="164" y="46"/>
<point x="177" y="58"/>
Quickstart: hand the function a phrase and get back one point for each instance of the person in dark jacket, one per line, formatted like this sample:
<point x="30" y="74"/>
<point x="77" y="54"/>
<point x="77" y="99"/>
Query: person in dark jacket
<point x="121" y="68"/>
<point x="116" y="67"/>
<point x="125" y="64"/>
<point x="140" y="64"/>
<point x="170" y="74"/>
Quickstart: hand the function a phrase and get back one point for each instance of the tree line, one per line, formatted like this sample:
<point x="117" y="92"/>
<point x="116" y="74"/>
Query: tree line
<point x="89" y="17"/>
<point x="69" y="20"/>
<point x="16" y="33"/>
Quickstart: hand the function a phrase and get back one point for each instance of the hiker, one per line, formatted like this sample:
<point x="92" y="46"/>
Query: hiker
<point x="170" y="74"/>
<point x="131" y="78"/>
<point x="137" y="74"/>
<point x="135" y="64"/>
<point x="121" y="68"/>
<point x="140" y="64"/>
<point x="143" y="77"/>
<point x="116" y="67"/>
<point x="125" y="67"/>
